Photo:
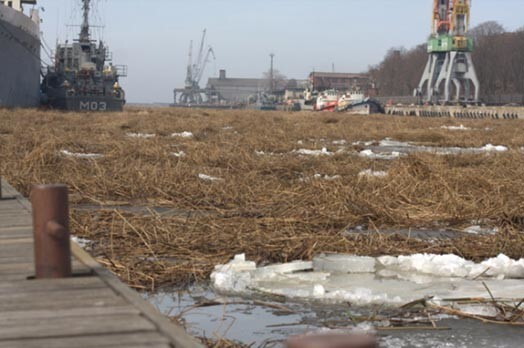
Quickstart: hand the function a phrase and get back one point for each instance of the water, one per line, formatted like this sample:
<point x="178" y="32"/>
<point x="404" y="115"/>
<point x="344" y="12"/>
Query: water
<point x="390" y="146"/>
<point x="267" y="321"/>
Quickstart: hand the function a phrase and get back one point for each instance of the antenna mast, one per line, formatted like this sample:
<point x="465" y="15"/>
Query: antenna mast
<point x="84" y="32"/>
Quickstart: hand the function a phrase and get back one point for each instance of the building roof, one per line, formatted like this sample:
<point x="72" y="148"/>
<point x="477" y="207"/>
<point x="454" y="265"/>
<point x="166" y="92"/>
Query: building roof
<point x="339" y="75"/>
<point x="236" y="82"/>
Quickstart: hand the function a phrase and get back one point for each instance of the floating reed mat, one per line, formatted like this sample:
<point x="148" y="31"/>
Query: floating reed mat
<point x="279" y="186"/>
<point x="148" y="252"/>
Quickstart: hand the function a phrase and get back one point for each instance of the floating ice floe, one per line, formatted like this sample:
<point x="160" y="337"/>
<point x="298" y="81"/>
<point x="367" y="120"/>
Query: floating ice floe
<point x="388" y="142"/>
<point x="80" y="155"/>
<point x="326" y="177"/>
<point x="370" y="154"/>
<point x="367" y="280"/>
<point x="320" y="177"/>
<point x="306" y="152"/>
<point x="82" y="242"/>
<point x="456" y="128"/>
<point x="206" y="177"/>
<point x="493" y="148"/>
<point x="183" y="135"/>
<point x="339" y="142"/>
<point x="363" y="143"/>
<point x="179" y="154"/>
<point x="141" y="135"/>
<point x="388" y="145"/>
<point x="372" y="174"/>
<point x="262" y="153"/>
<point x="477" y="229"/>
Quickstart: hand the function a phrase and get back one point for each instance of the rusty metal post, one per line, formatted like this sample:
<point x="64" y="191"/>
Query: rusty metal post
<point x="51" y="231"/>
<point x="327" y="340"/>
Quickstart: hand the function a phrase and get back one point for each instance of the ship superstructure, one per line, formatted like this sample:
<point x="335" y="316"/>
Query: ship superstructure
<point x="83" y="77"/>
<point x="19" y="54"/>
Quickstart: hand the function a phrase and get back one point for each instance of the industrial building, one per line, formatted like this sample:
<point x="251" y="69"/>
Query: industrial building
<point x="235" y="90"/>
<point x="239" y="90"/>
<point x="342" y="82"/>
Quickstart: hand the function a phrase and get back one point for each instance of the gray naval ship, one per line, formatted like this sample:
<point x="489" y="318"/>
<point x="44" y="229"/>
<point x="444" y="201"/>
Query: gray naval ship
<point x="19" y="54"/>
<point x="82" y="77"/>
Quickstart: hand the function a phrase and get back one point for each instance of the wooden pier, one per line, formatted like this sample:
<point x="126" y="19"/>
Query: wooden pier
<point x="91" y="309"/>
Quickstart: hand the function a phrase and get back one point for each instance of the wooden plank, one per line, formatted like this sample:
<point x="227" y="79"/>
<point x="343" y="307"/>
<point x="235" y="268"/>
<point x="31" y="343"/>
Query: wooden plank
<point x="16" y="250"/>
<point x="11" y="241"/>
<point x="16" y="268"/>
<point x="64" y="327"/>
<point x="60" y="300"/>
<point x="16" y="223"/>
<point x="93" y="311"/>
<point x="145" y="339"/>
<point x="27" y="229"/>
<point x="57" y="295"/>
<point x="42" y="285"/>
<point x="19" y="232"/>
<point x="26" y="264"/>
<point x="44" y="303"/>
<point x="28" y="275"/>
<point x="8" y="190"/>
<point x="6" y="317"/>
<point x="12" y="206"/>
<point x="12" y="209"/>
<point x="10" y="203"/>
<point x="16" y="259"/>
<point x="57" y="342"/>
<point x="175" y="333"/>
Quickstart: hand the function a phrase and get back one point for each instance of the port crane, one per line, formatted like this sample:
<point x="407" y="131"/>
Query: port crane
<point x="192" y="93"/>
<point x="449" y="67"/>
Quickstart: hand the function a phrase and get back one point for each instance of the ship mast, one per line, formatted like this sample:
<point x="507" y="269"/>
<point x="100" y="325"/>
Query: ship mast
<point x="84" y="32"/>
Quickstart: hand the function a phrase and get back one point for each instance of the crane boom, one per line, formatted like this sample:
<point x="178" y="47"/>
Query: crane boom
<point x="209" y="52"/>
<point x="198" y="62"/>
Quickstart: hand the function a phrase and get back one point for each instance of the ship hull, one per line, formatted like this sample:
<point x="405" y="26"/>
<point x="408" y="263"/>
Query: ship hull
<point x="19" y="60"/>
<point x="86" y="104"/>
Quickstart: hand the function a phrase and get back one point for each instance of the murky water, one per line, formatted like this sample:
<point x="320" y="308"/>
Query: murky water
<point x="267" y="322"/>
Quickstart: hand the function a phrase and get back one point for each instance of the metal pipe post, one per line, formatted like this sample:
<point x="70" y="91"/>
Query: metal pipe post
<point x="51" y="231"/>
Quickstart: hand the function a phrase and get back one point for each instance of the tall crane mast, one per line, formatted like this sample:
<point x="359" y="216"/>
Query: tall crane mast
<point x="192" y="93"/>
<point x="449" y="67"/>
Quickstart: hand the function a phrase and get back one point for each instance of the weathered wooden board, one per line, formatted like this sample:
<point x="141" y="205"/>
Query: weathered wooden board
<point x="91" y="309"/>
<point x="143" y="339"/>
<point x="57" y="327"/>
<point x="81" y="312"/>
<point x="42" y="285"/>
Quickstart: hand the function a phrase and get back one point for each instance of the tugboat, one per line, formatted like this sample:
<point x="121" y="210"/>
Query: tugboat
<point x="327" y="101"/>
<point x="82" y="77"/>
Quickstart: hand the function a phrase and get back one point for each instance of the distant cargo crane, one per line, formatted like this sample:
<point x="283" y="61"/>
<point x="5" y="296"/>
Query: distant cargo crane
<point x="449" y="67"/>
<point x="192" y="93"/>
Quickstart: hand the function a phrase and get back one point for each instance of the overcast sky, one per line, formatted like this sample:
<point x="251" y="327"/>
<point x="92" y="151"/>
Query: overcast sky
<point x="152" y="36"/>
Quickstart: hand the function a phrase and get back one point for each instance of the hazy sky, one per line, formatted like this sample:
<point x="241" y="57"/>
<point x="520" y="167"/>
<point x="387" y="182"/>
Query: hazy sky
<point x="152" y="36"/>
